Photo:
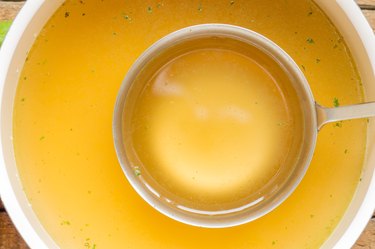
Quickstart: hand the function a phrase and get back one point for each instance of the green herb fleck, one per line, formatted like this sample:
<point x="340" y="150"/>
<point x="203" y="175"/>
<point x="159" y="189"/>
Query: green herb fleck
<point x="338" y="124"/>
<point x="346" y="151"/>
<point x="67" y="14"/>
<point x="114" y="33"/>
<point x="159" y="5"/>
<point x="336" y="102"/>
<point x="310" y="40"/>
<point x="126" y="17"/>
<point x="4" y="27"/>
<point x="273" y="243"/>
<point x="360" y="179"/>
<point x="88" y="243"/>
<point x="312" y="216"/>
<point x="137" y="171"/>
<point x="65" y="222"/>
<point x="317" y="60"/>
<point x="149" y="9"/>
<point x="23" y="100"/>
<point x="200" y="8"/>
<point x="42" y="138"/>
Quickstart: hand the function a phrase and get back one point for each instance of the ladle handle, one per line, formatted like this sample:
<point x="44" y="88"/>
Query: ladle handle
<point x="327" y="115"/>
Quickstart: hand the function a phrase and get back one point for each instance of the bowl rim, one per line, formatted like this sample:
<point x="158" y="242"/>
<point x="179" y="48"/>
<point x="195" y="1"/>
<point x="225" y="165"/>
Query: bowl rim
<point x="12" y="203"/>
<point x="364" y="212"/>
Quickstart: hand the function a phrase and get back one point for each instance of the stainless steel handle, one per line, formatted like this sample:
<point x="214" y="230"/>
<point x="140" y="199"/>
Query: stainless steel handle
<point x="326" y="115"/>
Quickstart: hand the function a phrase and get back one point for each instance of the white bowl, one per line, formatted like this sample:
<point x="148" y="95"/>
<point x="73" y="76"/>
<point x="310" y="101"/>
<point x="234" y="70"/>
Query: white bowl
<point x="346" y="16"/>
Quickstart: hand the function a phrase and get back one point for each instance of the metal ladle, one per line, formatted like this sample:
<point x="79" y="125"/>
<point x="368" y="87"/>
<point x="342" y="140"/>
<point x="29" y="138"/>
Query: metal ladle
<point x="314" y="117"/>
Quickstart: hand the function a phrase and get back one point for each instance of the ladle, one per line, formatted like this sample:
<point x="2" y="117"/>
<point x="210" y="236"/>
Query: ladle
<point x="315" y="116"/>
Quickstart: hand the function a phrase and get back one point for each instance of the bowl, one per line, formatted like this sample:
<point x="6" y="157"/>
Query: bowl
<point x="345" y="15"/>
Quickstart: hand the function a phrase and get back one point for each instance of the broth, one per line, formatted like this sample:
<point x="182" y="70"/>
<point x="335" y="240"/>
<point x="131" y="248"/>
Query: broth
<point x="63" y="124"/>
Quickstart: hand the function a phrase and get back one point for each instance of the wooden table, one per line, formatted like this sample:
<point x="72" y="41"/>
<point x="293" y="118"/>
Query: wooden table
<point x="10" y="238"/>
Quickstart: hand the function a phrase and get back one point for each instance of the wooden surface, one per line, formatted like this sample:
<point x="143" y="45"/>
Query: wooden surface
<point x="8" y="10"/>
<point x="9" y="237"/>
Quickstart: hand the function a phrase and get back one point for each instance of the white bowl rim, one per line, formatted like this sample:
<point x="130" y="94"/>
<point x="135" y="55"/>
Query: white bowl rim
<point x="367" y="207"/>
<point x="7" y="193"/>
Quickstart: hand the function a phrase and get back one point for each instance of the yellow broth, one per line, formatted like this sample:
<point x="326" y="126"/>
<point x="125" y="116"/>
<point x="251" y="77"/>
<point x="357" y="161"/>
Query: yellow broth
<point x="63" y="124"/>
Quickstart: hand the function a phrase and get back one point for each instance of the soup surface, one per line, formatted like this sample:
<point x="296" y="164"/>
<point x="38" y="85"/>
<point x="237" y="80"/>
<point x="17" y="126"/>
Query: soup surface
<point x="63" y="124"/>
